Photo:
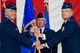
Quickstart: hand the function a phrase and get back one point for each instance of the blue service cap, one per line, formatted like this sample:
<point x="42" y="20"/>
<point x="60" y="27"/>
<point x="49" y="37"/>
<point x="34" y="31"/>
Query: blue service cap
<point x="66" y="5"/>
<point x="40" y="15"/>
<point x="11" y="6"/>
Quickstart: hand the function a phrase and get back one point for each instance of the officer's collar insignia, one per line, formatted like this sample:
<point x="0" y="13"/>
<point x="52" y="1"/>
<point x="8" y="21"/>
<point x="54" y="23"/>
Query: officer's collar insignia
<point x="16" y="28"/>
<point x="69" y="19"/>
<point x="45" y="30"/>
<point x="7" y="19"/>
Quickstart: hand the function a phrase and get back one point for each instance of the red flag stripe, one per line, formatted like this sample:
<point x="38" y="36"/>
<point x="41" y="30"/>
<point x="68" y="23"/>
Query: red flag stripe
<point x="0" y="10"/>
<point x="39" y="6"/>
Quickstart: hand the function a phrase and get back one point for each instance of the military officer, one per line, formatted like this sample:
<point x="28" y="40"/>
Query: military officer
<point x="68" y="35"/>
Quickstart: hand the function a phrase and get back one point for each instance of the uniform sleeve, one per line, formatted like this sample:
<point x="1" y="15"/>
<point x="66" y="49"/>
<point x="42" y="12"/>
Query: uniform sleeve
<point x="69" y="30"/>
<point x="50" y="34"/>
<point x="0" y="27"/>
<point x="27" y="34"/>
<point x="0" y="35"/>
<point x="14" y="33"/>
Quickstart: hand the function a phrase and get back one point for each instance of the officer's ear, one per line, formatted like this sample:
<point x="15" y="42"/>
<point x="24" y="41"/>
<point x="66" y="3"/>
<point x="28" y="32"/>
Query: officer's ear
<point x="71" y="12"/>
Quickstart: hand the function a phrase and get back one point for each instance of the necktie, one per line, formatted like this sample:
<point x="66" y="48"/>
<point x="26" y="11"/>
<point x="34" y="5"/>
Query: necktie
<point x="41" y="31"/>
<point x="63" y="24"/>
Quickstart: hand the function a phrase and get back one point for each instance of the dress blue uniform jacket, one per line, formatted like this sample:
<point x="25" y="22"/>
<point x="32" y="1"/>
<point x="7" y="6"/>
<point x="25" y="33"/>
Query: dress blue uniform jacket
<point x="0" y="37"/>
<point x="11" y="39"/>
<point x="69" y="36"/>
<point x="49" y="34"/>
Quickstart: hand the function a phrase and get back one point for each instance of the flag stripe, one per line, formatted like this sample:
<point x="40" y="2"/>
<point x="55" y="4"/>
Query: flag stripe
<point x="55" y="14"/>
<point x="0" y="10"/>
<point x="39" y="6"/>
<point x="20" y="12"/>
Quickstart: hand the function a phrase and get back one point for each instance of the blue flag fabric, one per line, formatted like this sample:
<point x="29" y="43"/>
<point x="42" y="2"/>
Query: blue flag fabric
<point x="3" y="12"/>
<point x="29" y="16"/>
<point x="47" y="17"/>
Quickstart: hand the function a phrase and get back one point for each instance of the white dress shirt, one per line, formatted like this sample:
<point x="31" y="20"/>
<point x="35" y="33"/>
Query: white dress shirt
<point x="44" y="37"/>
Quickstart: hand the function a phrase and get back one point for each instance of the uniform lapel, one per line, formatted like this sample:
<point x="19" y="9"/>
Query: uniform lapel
<point x="45" y="30"/>
<point x="64" y="24"/>
<point x="63" y="27"/>
<point x="12" y="23"/>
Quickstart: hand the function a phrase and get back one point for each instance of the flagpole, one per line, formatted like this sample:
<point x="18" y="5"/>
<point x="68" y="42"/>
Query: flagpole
<point x="38" y="49"/>
<point x="37" y="40"/>
<point x="4" y="4"/>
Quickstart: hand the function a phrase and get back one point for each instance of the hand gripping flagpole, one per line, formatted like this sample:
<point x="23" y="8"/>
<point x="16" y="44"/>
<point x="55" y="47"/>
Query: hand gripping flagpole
<point x="37" y="39"/>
